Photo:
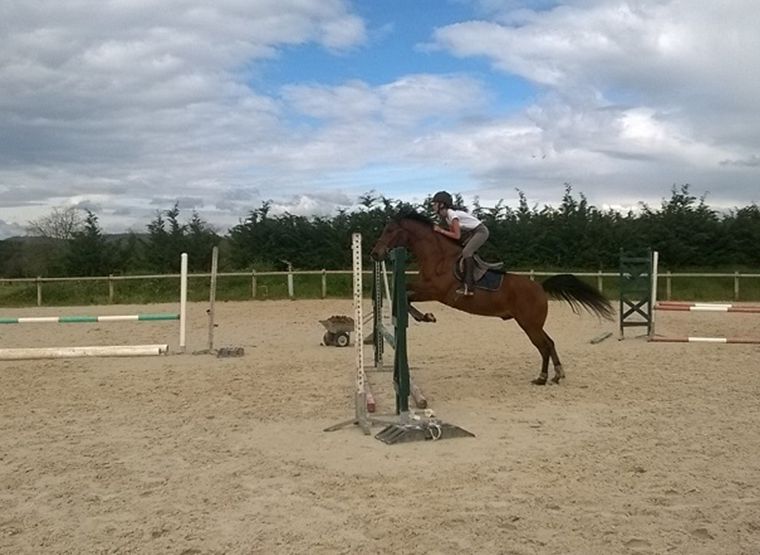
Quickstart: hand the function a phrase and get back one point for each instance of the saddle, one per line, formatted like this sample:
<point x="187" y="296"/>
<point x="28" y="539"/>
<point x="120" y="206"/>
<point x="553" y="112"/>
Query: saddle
<point x="487" y="275"/>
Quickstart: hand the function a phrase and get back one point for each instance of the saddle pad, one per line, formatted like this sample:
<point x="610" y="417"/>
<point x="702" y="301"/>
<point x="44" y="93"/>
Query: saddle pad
<point x="490" y="281"/>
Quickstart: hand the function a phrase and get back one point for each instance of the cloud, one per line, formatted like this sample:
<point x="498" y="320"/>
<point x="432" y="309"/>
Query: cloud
<point x="126" y="98"/>
<point x="627" y="89"/>
<point x="313" y="204"/>
<point x="751" y="162"/>
<point x="407" y="101"/>
<point x="11" y="229"/>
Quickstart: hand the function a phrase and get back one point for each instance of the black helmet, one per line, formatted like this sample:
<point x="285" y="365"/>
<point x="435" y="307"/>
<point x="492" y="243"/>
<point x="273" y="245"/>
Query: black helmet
<point x="444" y="198"/>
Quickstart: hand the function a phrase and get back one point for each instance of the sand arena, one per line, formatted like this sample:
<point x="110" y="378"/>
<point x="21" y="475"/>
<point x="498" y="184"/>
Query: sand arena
<point x="643" y="449"/>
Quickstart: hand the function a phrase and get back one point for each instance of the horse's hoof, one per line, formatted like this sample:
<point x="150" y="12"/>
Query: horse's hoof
<point x="556" y="379"/>
<point x="429" y="317"/>
<point x="539" y="381"/>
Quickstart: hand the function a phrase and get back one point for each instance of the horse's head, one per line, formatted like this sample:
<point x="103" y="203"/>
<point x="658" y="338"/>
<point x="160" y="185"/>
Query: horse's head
<point x="393" y="235"/>
<point x="403" y="231"/>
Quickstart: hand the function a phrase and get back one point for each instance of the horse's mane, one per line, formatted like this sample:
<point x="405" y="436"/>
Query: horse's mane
<point x="414" y="216"/>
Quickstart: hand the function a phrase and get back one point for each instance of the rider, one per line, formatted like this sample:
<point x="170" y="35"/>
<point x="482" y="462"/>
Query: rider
<point x="463" y="227"/>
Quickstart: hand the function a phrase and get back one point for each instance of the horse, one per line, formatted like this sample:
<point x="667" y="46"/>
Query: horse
<point x="517" y="297"/>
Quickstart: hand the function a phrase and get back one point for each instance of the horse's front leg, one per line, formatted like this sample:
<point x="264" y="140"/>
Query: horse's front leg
<point x="417" y="292"/>
<point x="418" y="315"/>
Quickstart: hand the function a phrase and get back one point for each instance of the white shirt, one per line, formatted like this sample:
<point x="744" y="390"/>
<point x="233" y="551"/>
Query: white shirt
<point x="467" y="222"/>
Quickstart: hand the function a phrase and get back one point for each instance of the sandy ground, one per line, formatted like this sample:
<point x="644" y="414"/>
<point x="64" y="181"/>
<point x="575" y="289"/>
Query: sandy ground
<point x="645" y="448"/>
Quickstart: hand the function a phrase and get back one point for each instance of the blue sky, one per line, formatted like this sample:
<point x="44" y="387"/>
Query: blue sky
<point x="397" y="35"/>
<point x="124" y="109"/>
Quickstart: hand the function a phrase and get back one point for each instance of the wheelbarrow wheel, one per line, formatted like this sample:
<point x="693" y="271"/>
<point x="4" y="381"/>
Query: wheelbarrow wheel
<point x="329" y="338"/>
<point x="342" y="339"/>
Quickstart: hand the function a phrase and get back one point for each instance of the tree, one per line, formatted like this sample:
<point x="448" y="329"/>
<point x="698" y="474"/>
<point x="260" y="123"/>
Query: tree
<point x="163" y="246"/>
<point x="61" y="223"/>
<point x="48" y="257"/>
<point x="200" y="239"/>
<point x="89" y="254"/>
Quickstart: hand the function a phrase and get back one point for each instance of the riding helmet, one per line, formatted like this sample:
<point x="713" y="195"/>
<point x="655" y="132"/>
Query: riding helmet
<point x="444" y="198"/>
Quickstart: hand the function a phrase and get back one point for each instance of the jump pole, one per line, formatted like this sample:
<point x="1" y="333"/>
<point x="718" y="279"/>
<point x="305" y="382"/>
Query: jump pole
<point x="686" y="306"/>
<point x="103" y="350"/>
<point x="705" y="307"/>
<point x="737" y="340"/>
<point x="89" y="319"/>
<point x="79" y="352"/>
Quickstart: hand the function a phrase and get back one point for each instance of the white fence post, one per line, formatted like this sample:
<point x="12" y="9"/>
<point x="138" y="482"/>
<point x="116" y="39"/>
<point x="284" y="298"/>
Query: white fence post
<point x="182" y="302"/>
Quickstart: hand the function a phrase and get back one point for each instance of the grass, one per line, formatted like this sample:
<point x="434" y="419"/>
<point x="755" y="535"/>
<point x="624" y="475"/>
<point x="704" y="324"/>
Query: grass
<point x="146" y="291"/>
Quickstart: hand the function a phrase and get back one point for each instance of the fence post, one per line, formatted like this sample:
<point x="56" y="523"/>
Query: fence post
<point x="599" y="282"/>
<point x="39" y="291"/>
<point x="532" y="276"/>
<point x="110" y="288"/>
<point x="668" y="285"/>
<point x="736" y="286"/>
<point x="291" y="292"/>
<point x="324" y="283"/>
<point x="253" y="284"/>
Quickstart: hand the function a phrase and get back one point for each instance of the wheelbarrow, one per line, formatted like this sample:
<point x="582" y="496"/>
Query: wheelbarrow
<point x="338" y="331"/>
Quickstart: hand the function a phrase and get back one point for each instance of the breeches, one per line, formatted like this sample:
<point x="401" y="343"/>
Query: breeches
<point x="478" y="236"/>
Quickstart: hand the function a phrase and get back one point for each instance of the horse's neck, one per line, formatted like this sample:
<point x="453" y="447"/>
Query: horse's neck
<point x="429" y="248"/>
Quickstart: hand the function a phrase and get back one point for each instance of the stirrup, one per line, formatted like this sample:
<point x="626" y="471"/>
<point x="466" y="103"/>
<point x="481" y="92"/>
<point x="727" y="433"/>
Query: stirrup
<point x="464" y="290"/>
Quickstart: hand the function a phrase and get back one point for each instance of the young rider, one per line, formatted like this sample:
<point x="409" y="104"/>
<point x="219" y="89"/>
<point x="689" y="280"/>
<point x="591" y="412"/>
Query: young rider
<point x="463" y="227"/>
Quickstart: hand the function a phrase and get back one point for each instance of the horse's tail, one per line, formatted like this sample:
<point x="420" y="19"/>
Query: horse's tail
<point x="567" y="287"/>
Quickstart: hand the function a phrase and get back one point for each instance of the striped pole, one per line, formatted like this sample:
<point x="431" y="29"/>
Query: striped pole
<point x="736" y="340"/>
<point x="106" y="350"/>
<point x="688" y="306"/>
<point x="707" y="308"/>
<point x="88" y="319"/>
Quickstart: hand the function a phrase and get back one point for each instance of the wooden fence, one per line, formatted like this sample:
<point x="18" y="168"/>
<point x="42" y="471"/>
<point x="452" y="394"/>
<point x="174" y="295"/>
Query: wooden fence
<point x="599" y="277"/>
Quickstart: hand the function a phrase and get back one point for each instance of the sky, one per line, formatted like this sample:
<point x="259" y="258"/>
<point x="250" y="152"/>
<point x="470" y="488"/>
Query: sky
<point x="126" y="107"/>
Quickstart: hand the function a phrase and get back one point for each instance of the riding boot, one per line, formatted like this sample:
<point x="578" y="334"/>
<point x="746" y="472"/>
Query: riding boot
<point x="468" y="285"/>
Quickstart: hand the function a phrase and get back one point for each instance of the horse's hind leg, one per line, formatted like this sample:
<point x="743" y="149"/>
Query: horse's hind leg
<point x="559" y="373"/>
<point x="545" y="346"/>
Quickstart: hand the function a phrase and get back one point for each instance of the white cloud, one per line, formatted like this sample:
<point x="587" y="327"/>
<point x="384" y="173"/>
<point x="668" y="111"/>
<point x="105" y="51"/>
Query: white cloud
<point x="11" y="229"/>
<point x="133" y="101"/>
<point x="363" y="125"/>
<point x="659" y="90"/>
<point x="409" y="100"/>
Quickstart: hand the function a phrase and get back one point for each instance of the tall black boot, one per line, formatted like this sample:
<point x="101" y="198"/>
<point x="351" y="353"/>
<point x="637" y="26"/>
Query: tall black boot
<point x="468" y="286"/>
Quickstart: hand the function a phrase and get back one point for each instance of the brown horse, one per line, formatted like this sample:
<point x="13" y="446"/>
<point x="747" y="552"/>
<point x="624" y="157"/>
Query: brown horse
<point x="517" y="297"/>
